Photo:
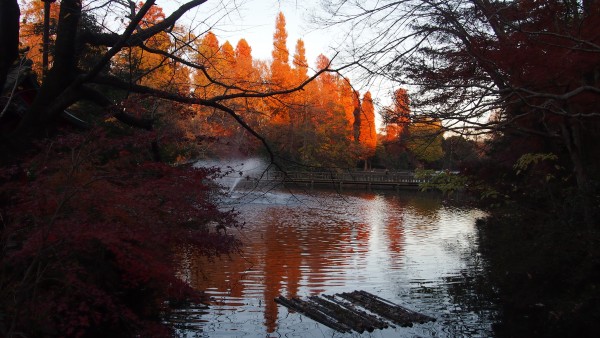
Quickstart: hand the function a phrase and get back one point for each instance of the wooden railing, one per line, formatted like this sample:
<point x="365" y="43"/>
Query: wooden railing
<point x="405" y="178"/>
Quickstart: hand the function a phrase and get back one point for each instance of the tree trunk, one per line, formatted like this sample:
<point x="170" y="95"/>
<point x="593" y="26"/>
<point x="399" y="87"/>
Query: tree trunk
<point x="59" y="89"/>
<point x="9" y="37"/>
<point x="572" y="139"/>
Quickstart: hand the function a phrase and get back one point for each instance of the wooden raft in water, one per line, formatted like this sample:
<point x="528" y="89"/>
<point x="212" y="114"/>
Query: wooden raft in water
<point x="358" y="311"/>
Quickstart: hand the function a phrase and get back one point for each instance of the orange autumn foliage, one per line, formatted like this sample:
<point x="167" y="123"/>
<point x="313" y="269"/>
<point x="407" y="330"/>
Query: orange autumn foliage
<point x="147" y="67"/>
<point x="280" y="68"/>
<point x="31" y="29"/>
<point x="368" y="135"/>
<point x="319" y="124"/>
<point x="397" y="118"/>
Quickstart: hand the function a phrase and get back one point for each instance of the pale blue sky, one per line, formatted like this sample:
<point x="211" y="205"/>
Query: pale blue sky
<point x="254" y="20"/>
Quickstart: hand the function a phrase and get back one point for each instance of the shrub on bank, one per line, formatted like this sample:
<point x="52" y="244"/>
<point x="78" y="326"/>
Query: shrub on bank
<point x="90" y="229"/>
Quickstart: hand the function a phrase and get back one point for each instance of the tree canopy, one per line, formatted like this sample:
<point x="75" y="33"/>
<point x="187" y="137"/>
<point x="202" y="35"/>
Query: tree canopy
<point x="524" y="68"/>
<point x="97" y="197"/>
<point x="516" y="84"/>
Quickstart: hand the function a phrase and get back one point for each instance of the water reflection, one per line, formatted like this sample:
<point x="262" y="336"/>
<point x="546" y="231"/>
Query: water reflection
<point x="404" y="248"/>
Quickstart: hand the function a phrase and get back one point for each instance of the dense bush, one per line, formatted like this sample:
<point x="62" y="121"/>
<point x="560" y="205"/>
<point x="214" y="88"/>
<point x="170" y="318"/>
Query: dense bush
<point x="90" y="228"/>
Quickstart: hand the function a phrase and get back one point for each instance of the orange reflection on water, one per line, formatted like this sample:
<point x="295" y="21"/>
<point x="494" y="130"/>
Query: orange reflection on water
<point x="294" y="252"/>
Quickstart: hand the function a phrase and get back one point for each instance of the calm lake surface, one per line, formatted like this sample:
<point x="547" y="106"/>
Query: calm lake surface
<point x="406" y="247"/>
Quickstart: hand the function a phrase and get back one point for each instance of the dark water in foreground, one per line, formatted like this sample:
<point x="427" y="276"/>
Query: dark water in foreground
<point x="408" y="248"/>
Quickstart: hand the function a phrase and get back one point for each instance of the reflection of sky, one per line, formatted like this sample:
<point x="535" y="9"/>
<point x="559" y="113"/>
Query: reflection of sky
<point x="378" y="256"/>
<point x="378" y="243"/>
<point x="433" y="243"/>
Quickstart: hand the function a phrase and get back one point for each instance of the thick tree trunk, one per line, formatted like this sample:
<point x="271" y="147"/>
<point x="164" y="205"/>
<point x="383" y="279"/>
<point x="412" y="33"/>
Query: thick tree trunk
<point x="59" y="89"/>
<point x="572" y="139"/>
<point x="9" y="36"/>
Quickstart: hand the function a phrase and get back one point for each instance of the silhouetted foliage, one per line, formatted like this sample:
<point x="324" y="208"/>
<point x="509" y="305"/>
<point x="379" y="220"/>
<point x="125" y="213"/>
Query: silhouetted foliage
<point x="90" y="228"/>
<point x="93" y="212"/>
<point x="523" y="75"/>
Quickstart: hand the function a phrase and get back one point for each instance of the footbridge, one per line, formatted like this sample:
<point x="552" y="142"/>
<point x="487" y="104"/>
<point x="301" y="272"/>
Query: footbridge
<point x="356" y="179"/>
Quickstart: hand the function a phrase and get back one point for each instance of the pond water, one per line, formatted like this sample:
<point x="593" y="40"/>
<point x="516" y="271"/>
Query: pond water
<point x="406" y="247"/>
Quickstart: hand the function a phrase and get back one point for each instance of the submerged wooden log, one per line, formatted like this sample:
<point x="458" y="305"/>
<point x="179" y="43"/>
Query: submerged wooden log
<point x="356" y="318"/>
<point x="393" y="312"/>
<point x="355" y="311"/>
<point x="312" y="313"/>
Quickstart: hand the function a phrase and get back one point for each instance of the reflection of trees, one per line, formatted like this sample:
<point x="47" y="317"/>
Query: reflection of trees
<point x="294" y="247"/>
<point x="423" y="204"/>
<point x="471" y="290"/>
<point x="363" y="233"/>
<point x="394" y="233"/>
<point x="363" y="230"/>
<point x="201" y="272"/>
<point x="282" y="260"/>
<point x="421" y="212"/>
<point x="292" y="251"/>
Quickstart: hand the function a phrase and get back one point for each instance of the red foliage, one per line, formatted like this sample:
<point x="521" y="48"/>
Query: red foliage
<point x="90" y="228"/>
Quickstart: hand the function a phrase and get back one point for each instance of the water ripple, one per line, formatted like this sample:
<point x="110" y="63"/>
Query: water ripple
<point x="410" y="250"/>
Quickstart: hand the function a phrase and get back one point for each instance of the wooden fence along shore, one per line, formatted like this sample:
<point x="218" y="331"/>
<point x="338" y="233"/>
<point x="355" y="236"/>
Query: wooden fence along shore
<point x="359" y="179"/>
